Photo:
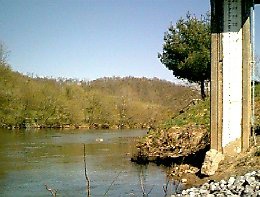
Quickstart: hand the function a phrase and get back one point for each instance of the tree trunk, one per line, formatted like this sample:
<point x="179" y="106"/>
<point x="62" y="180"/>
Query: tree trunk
<point x="202" y="89"/>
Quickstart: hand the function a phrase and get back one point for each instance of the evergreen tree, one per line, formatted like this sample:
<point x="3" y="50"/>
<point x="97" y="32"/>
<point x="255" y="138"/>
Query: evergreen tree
<point x="186" y="50"/>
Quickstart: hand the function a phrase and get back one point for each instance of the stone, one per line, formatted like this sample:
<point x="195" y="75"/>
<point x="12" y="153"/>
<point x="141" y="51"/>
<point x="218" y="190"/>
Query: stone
<point x="205" y="186"/>
<point x="220" y="195"/>
<point x="203" y="191"/>
<point x="231" y="187"/>
<point x="248" y="190"/>
<point x="231" y="180"/>
<point x="184" y="192"/>
<point x="223" y="182"/>
<point x="211" y="162"/>
<point x="250" y="180"/>
<point x="228" y="192"/>
<point x="192" y="194"/>
<point x="222" y="186"/>
<point x="184" y="181"/>
<point x="213" y="187"/>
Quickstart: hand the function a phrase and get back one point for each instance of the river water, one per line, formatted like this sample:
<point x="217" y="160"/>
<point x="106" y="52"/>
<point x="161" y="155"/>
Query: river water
<point x="29" y="159"/>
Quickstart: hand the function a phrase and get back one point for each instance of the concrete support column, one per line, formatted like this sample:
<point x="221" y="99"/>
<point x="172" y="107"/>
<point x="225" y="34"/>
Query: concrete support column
<point x="216" y="74"/>
<point x="247" y="59"/>
<point x="230" y="75"/>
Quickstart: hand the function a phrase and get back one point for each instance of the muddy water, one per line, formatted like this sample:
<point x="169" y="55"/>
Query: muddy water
<point x="29" y="159"/>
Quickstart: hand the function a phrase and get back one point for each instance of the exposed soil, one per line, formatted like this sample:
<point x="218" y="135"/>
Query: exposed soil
<point x="173" y="145"/>
<point x="183" y="151"/>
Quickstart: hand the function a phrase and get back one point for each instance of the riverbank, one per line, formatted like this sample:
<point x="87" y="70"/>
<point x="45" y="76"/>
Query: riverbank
<point x="181" y="144"/>
<point x="185" y="160"/>
<point x="229" y="167"/>
<point x="184" y="153"/>
<point x="76" y="126"/>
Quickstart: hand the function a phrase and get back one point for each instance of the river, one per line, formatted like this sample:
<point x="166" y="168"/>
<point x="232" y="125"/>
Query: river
<point x="29" y="159"/>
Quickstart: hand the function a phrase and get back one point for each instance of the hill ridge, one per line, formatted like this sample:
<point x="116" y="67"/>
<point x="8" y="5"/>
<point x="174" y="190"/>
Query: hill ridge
<point x="109" y="102"/>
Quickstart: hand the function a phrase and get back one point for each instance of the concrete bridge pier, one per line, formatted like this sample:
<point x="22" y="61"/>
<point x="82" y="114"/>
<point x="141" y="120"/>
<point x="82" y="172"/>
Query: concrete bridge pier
<point x="231" y="75"/>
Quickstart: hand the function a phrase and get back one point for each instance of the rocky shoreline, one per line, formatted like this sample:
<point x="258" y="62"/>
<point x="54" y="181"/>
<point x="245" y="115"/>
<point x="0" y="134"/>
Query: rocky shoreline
<point x="246" y="185"/>
<point x="183" y="150"/>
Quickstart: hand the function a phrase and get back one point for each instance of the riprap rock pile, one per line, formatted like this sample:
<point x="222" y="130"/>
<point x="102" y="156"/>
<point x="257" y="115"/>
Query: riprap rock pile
<point x="247" y="185"/>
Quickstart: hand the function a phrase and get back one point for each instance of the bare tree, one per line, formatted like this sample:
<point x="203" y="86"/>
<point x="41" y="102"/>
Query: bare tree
<point x="4" y="53"/>
<point x="142" y="184"/>
<point x="86" y="174"/>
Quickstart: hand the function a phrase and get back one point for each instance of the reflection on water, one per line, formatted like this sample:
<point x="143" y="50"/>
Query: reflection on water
<point x="31" y="159"/>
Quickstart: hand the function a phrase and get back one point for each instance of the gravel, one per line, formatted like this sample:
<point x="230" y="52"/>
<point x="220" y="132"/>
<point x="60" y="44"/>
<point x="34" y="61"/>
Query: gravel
<point x="247" y="185"/>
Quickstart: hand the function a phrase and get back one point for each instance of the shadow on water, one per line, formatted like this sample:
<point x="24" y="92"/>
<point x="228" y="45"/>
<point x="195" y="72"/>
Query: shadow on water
<point x="195" y="159"/>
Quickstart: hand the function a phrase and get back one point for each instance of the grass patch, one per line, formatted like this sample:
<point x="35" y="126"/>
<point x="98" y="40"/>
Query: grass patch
<point x="198" y="114"/>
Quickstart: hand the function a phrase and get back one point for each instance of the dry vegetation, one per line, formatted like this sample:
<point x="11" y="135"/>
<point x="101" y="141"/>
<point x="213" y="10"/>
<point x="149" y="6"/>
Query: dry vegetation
<point x="104" y="103"/>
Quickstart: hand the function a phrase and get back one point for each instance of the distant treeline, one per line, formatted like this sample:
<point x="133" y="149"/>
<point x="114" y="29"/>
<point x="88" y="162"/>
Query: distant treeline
<point x="103" y="103"/>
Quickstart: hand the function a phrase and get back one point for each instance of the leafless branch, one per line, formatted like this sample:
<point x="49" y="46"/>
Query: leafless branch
<point x="86" y="174"/>
<point x="177" y="187"/>
<point x="150" y="190"/>
<point x="112" y="183"/>
<point x="142" y="183"/>
<point x="165" y="187"/>
<point x="141" y="178"/>
<point x="52" y="191"/>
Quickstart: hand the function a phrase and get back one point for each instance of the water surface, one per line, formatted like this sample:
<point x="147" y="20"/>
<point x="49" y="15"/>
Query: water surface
<point x="29" y="159"/>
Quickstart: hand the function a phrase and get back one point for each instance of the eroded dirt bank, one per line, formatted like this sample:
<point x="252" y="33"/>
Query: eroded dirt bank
<point x="183" y="151"/>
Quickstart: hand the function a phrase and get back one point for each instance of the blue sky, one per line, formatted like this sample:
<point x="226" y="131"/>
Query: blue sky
<point x="88" y="39"/>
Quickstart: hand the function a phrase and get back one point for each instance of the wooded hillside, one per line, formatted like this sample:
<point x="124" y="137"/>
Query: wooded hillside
<point x="103" y="103"/>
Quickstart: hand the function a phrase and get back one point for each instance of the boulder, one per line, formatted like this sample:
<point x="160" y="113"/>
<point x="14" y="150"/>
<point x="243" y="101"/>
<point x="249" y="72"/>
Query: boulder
<point x="211" y="162"/>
